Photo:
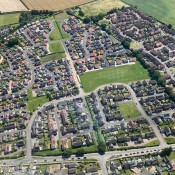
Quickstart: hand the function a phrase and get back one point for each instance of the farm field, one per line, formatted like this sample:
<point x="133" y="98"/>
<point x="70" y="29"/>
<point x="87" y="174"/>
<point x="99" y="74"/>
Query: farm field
<point x="129" y="110"/>
<point x="53" y="4"/>
<point x="6" y="19"/>
<point x="160" y="9"/>
<point x="56" y="47"/>
<point x="101" y="6"/>
<point x="11" y="6"/>
<point x="125" y="74"/>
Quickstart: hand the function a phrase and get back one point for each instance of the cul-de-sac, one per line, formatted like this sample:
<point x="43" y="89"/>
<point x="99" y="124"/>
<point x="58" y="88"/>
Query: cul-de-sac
<point x="87" y="87"/>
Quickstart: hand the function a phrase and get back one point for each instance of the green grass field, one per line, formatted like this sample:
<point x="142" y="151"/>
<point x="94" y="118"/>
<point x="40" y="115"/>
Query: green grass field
<point x="34" y="102"/>
<point x="101" y="6"/>
<point x="163" y="10"/>
<point x="63" y="34"/>
<point x="58" y="33"/>
<point x="56" y="47"/>
<point x="124" y="74"/>
<point x="129" y="110"/>
<point x="55" y="34"/>
<point x="6" y="19"/>
<point x="52" y="57"/>
<point x="152" y="143"/>
<point x="170" y="140"/>
<point x="61" y="16"/>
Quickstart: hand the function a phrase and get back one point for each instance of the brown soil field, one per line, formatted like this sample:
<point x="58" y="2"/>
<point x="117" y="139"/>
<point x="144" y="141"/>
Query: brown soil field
<point x="53" y="4"/>
<point x="11" y="6"/>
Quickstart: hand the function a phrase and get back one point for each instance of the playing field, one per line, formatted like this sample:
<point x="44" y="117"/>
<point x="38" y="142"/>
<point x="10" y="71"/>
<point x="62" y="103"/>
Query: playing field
<point x="53" y="4"/>
<point x="11" y="6"/>
<point x="6" y="19"/>
<point x="124" y="74"/>
<point x="101" y="6"/>
<point x="163" y="10"/>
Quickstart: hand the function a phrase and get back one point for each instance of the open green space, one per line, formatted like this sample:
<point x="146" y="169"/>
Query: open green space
<point x="63" y="34"/>
<point x="12" y="18"/>
<point x="163" y="10"/>
<point x="124" y="74"/>
<point x="152" y="143"/>
<point x="34" y="102"/>
<point x="61" y="16"/>
<point x="56" y="47"/>
<point x="129" y="110"/>
<point x="101" y="6"/>
<point x="57" y="32"/>
<point x="170" y="140"/>
<point x="172" y="155"/>
<point x="52" y="57"/>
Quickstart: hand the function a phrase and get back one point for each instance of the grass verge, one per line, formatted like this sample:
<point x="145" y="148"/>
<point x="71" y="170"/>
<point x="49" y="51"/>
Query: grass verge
<point x="52" y="57"/>
<point x="170" y="140"/>
<point x="152" y="143"/>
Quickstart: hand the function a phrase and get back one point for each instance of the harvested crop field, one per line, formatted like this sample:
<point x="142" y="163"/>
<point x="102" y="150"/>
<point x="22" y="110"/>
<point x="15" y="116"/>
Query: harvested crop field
<point x="11" y="6"/>
<point x="53" y="4"/>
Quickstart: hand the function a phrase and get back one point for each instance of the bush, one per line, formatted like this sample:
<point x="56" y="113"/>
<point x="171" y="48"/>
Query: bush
<point x="101" y="147"/>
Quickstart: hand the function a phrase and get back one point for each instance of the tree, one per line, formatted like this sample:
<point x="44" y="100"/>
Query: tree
<point x="170" y="26"/>
<point x="126" y="44"/>
<point x="101" y="147"/>
<point x="166" y="152"/>
<point x="67" y="152"/>
<point x="162" y="81"/>
<point x="103" y="26"/>
<point x="80" y="152"/>
<point x="87" y="20"/>
<point x="81" y="13"/>
<point x="12" y="42"/>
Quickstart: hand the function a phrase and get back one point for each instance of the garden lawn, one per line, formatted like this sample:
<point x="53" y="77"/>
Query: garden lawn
<point x="124" y="74"/>
<point x="129" y="110"/>
<point x="56" y="47"/>
<point x="12" y="18"/>
<point x="52" y="57"/>
<point x="34" y="102"/>
<point x="163" y="10"/>
<point x="170" y="140"/>
<point x="152" y="143"/>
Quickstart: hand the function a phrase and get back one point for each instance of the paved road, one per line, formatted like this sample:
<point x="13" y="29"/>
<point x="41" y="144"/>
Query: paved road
<point x="108" y="154"/>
